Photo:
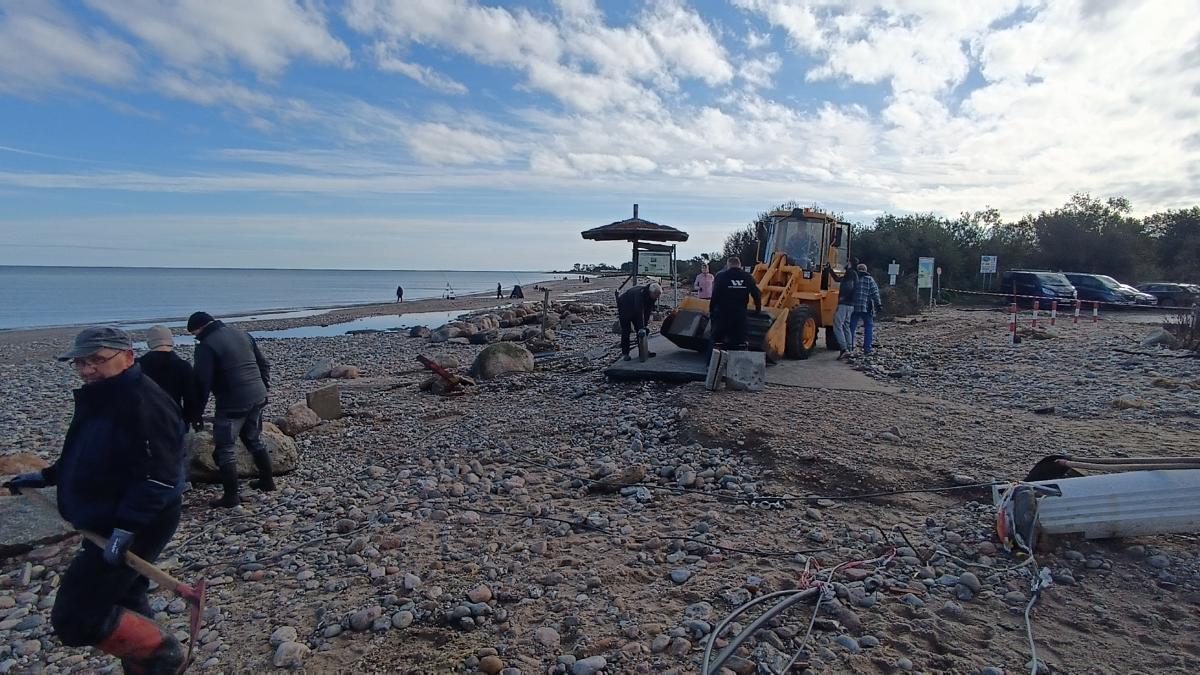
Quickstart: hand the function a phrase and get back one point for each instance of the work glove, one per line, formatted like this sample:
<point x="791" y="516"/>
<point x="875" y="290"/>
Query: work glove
<point x="33" y="479"/>
<point x="197" y="426"/>
<point x="641" y="332"/>
<point x="118" y="543"/>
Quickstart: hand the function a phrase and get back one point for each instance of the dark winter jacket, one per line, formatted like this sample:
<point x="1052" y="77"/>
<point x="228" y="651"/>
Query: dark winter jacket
<point x="846" y="287"/>
<point x="174" y="375"/>
<point x="231" y="368"/>
<point x="123" y="461"/>
<point x="732" y="289"/>
<point x="635" y="306"/>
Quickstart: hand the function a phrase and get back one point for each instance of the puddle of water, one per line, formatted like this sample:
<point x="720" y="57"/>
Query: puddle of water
<point x="380" y="323"/>
<point x="261" y="316"/>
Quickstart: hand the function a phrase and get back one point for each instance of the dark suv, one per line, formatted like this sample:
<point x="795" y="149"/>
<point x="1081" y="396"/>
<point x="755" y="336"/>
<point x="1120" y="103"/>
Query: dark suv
<point x="1101" y="288"/>
<point x="1044" y="287"/>
<point x="1177" y="295"/>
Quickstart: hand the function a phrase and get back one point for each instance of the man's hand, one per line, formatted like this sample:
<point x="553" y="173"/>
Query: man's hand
<point x="33" y="479"/>
<point x="118" y="544"/>
<point x="197" y="426"/>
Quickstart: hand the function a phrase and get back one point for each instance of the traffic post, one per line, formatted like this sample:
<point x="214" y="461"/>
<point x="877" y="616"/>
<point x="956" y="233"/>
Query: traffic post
<point x="1012" y="323"/>
<point x="1035" y="314"/>
<point x="1095" y="312"/>
<point x="1053" y="312"/>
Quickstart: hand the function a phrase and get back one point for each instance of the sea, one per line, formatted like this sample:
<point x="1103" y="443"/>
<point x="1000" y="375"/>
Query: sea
<point x="35" y="297"/>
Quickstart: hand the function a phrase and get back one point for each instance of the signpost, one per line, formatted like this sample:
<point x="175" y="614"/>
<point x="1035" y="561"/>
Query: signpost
<point x="925" y="276"/>
<point x="987" y="267"/>
<point x="653" y="264"/>
<point x="893" y="272"/>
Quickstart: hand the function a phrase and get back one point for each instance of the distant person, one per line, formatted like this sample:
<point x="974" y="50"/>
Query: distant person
<point x="121" y="475"/>
<point x="171" y="372"/>
<point x="866" y="305"/>
<point x="499" y="291"/>
<point x="703" y="286"/>
<point x="634" y="308"/>
<point x="399" y="294"/>
<point x="516" y="292"/>
<point x="732" y="289"/>
<point x="230" y="366"/>
<point x="845" y="309"/>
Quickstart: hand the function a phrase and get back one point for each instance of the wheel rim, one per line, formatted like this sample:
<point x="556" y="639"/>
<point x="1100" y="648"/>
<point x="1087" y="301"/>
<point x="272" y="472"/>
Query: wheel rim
<point x="808" y="337"/>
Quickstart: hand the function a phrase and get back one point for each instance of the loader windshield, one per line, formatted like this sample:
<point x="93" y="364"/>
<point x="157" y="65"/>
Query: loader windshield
<point x="802" y="240"/>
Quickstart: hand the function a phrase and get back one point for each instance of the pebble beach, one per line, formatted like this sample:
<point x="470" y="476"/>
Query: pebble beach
<point x="551" y="521"/>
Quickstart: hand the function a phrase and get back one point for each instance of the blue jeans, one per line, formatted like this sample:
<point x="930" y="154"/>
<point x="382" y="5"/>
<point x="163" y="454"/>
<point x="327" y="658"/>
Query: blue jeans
<point x="841" y="327"/>
<point x="868" y="320"/>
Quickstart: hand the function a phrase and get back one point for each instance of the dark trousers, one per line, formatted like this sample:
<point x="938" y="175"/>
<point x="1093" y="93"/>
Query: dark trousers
<point x="729" y="328"/>
<point x="228" y="427"/>
<point x="626" y="331"/>
<point x="92" y="593"/>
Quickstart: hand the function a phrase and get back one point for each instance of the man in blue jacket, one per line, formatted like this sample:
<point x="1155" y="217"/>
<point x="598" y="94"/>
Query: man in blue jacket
<point x="230" y="367"/>
<point x="121" y="474"/>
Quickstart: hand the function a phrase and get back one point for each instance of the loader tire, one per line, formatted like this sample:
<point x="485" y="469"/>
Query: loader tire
<point x="801" y="333"/>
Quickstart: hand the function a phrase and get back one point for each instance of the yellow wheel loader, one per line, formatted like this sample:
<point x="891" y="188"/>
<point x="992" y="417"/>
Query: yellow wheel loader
<point x="799" y="296"/>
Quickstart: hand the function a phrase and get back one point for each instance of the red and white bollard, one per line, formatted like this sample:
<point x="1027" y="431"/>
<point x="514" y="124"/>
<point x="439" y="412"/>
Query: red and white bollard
<point x="1076" y="319"/>
<point x="1095" y="312"/>
<point x="1053" y="312"/>
<point x="1012" y="323"/>
<point x="1035" y="313"/>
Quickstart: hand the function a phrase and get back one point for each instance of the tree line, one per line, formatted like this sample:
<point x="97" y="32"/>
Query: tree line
<point x="1087" y="234"/>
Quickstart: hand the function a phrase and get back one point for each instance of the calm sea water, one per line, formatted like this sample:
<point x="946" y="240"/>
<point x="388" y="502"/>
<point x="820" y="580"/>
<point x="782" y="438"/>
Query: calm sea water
<point x="57" y="296"/>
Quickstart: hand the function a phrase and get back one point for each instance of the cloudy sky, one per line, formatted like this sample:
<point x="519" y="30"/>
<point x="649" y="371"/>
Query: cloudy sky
<point x="392" y="134"/>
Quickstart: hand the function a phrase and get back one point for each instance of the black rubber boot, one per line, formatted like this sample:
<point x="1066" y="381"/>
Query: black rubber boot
<point x="265" y="481"/>
<point x="230" y="498"/>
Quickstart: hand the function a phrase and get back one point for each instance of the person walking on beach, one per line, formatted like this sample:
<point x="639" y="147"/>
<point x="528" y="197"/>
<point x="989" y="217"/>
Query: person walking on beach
<point x="121" y="474"/>
<point x="634" y="308"/>
<point x="170" y="371"/>
<point x="499" y="292"/>
<point x="703" y="285"/>
<point x="845" y="308"/>
<point x="230" y="367"/>
<point x="399" y="294"/>
<point x="866" y="305"/>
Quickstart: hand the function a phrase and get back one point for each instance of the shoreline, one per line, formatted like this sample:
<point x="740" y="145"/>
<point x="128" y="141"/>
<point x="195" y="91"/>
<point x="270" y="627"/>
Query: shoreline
<point x="23" y="344"/>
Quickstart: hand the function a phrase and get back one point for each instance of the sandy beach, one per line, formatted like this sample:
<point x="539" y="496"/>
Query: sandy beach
<point x="555" y="522"/>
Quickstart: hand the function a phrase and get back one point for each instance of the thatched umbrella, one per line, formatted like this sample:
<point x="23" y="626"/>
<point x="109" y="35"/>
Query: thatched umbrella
<point x="638" y="231"/>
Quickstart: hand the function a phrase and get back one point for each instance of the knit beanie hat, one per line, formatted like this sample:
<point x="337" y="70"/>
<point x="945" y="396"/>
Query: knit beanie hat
<point x="198" y="320"/>
<point x="159" y="336"/>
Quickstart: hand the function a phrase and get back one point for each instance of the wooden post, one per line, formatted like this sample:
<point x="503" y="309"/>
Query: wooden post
<point x="545" y="309"/>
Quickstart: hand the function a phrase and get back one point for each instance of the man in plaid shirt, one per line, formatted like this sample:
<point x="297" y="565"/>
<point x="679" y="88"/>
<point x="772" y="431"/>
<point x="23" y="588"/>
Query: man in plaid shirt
<point x="866" y="304"/>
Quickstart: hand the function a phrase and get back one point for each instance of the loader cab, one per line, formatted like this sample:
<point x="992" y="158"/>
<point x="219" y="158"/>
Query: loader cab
<point x="808" y="239"/>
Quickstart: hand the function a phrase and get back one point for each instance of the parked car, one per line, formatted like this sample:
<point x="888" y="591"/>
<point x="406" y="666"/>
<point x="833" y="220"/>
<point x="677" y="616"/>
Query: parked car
<point x="1046" y="287"/>
<point x="1102" y="288"/>
<point x="1141" y="297"/>
<point x="1174" y="295"/>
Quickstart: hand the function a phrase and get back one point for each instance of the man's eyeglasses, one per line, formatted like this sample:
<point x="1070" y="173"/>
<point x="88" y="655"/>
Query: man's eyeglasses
<point x="94" y="361"/>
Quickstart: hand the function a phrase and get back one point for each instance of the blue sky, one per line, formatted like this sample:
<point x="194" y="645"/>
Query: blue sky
<point x="391" y="134"/>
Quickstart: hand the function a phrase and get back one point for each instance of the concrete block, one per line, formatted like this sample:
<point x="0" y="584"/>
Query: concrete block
<point x="745" y="371"/>
<point x="326" y="402"/>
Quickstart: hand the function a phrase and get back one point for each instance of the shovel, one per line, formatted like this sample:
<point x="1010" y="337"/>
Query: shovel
<point x="193" y="595"/>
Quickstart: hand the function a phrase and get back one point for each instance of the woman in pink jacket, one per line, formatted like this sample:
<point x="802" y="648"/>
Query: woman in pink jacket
<point x="704" y="284"/>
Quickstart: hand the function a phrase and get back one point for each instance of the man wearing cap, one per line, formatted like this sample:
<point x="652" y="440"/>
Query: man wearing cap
<point x="121" y="475"/>
<point x="170" y="371"/>
<point x="634" y="308"/>
<point x="230" y="367"/>
<point x="866" y="305"/>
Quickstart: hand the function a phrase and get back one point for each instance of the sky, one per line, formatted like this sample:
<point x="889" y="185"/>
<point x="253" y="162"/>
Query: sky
<point x="456" y="134"/>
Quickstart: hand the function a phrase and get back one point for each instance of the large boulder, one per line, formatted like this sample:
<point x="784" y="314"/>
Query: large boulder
<point x="345" y="373"/>
<point x="299" y="419"/>
<point x="512" y="335"/>
<point x="320" y="370"/>
<point x="485" y="338"/>
<point x="1160" y="336"/>
<point x="284" y="455"/>
<point x="500" y="359"/>
<point x="418" y="332"/>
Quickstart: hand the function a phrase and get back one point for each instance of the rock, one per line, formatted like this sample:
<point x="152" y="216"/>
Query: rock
<point x="971" y="581"/>
<point x="345" y="373"/>
<point x="21" y="462"/>
<point x="1158" y="562"/>
<point x="849" y="643"/>
<point x="326" y="402"/>
<point x="290" y="655"/>
<point x="501" y="359"/>
<point x="1165" y="383"/>
<point x="589" y="666"/>
<point x="630" y="475"/>
<point x="320" y="370"/>
<point x="680" y="576"/>
<point x="481" y="593"/>
<point x="25" y="524"/>
<point x="745" y="370"/>
<point x="951" y="610"/>
<point x="418" y="332"/>
<point x="364" y="618"/>
<point x="491" y="664"/>
<point x="1160" y="336"/>
<point x="402" y="619"/>
<point x="284" y="455"/>
<point x="299" y="418"/>
<point x="1044" y="410"/>
<point x="485" y="337"/>
<point x="546" y="636"/>
<point x="1129" y="403"/>
<point x="679" y="646"/>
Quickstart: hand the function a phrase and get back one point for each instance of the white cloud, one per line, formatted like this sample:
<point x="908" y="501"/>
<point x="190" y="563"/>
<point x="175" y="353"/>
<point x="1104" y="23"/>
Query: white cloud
<point x="424" y="75"/>
<point x="262" y="35"/>
<point x="43" y="48"/>
<point x="442" y="144"/>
